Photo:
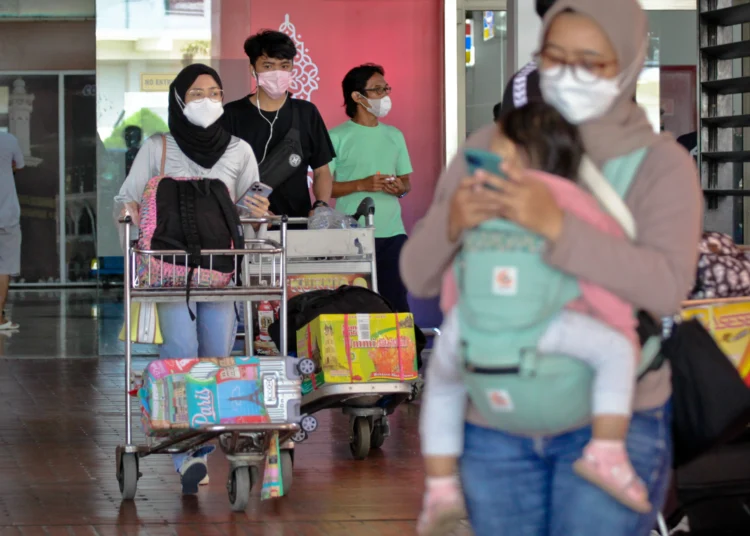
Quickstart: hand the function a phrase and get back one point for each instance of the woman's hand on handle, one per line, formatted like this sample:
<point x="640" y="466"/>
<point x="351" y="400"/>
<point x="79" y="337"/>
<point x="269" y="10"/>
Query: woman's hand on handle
<point x="131" y="209"/>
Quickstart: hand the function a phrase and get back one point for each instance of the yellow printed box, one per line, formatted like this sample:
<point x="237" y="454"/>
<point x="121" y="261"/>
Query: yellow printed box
<point x="359" y="348"/>
<point x="729" y="324"/>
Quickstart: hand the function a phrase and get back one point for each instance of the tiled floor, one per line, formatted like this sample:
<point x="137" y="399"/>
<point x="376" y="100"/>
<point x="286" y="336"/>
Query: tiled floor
<point x="61" y="418"/>
<point x="60" y="421"/>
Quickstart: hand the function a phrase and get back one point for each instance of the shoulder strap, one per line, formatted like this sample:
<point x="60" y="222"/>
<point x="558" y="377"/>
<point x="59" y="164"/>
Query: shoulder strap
<point x="602" y="190"/>
<point x="187" y="193"/>
<point x="231" y="216"/>
<point x="163" y="154"/>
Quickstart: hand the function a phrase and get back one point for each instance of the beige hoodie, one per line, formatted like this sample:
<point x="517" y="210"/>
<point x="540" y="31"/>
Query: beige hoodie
<point x="654" y="273"/>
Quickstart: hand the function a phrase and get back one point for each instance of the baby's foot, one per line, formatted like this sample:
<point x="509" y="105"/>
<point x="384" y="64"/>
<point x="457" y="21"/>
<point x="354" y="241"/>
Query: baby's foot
<point x="606" y="465"/>
<point x="443" y="507"/>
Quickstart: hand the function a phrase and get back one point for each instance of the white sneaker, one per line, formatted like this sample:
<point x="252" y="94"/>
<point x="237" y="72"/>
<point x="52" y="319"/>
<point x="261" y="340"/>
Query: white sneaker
<point x="193" y="470"/>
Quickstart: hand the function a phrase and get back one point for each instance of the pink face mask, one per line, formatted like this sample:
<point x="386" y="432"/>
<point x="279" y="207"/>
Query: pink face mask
<point x="275" y="83"/>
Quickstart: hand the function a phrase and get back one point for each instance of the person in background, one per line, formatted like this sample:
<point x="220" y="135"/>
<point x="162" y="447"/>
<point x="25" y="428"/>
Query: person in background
<point x="133" y="136"/>
<point x="523" y="87"/>
<point x="196" y="146"/>
<point x="11" y="159"/>
<point x="288" y="135"/>
<point x="373" y="161"/>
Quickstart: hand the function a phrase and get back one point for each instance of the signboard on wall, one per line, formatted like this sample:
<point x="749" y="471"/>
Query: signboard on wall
<point x="156" y="82"/>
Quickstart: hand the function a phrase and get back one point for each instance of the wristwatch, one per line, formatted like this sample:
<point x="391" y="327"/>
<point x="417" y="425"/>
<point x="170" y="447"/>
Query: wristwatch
<point x="403" y="194"/>
<point x="319" y="204"/>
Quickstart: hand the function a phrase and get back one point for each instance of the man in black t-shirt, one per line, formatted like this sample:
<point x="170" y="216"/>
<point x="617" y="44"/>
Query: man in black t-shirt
<point x="265" y="120"/>
<point x="523" y="87"/>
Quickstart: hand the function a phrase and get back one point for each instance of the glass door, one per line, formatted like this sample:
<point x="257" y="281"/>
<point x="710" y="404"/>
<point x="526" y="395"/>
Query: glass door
<point x="482" y="58"/>
<point x="80" y="177"/>
<point x="53" y="116"/>
<point x="29" y="109"/>
<point x="484" y="66"/>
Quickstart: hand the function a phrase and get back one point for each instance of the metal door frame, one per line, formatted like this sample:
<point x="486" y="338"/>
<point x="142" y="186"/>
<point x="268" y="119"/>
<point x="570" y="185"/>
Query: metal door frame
<point x="61" y="234"/>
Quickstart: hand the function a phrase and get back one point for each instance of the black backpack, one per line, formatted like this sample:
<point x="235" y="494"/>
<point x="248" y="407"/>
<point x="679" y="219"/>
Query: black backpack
<point x="345" y="300"/>
<point x="711" y="403"/>
<point x="197" y="215"/>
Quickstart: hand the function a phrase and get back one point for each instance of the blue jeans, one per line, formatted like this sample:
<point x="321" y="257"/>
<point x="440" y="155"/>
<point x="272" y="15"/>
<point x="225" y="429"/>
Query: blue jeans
<point x="517" y="486"/>
<point x="211" y="335"/>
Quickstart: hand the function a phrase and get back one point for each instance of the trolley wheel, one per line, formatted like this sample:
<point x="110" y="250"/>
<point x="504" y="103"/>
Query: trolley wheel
<point x="306" y="367"/>
<point x="360" y="442"/>
<point x="299" y="436"/>
<point x="239" y="486"/>
<point x="377" y="436"/>
<point x="309" y="424"/>
<point x="287" y="470"/>
<point x="127" y="475"/>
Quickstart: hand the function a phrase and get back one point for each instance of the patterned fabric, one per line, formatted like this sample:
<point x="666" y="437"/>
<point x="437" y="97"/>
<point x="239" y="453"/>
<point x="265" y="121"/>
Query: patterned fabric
<point x="150" y="270"/>
<point x="723" y="269"/>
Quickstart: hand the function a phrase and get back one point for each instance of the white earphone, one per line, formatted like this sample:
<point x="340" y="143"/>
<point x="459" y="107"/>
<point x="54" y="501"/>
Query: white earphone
<point x="271" y="123"/>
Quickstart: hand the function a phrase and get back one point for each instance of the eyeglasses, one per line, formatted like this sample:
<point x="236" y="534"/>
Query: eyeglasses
<point x="215" y="94"/>
<point x="379" y="91"/>
<point x="584" y="70"/>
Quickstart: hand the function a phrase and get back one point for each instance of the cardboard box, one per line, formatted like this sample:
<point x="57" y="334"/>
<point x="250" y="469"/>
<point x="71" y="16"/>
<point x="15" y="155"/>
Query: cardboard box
<point x="359" y="348"/>
<point x="178" y="394"/>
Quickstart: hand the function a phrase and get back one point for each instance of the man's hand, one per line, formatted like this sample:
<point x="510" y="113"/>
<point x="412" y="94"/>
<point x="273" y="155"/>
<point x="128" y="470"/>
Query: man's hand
<point x="373" y="183"/>
<point x="395" y="187"/>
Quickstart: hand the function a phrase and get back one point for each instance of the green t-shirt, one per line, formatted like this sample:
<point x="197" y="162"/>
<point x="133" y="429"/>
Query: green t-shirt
<point x="363" y="151"/>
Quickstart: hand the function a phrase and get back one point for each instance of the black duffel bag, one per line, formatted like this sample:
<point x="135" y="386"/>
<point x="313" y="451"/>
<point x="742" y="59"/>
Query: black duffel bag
<point x="345" y="300"/>
<point x="711" y="403"/>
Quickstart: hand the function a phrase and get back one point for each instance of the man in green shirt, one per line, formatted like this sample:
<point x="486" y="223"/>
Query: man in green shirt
<point x="372" y="161"/>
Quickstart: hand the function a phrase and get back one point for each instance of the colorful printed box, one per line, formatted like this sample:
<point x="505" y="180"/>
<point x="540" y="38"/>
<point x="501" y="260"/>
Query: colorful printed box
<point x="359" y="348"/>
<point x="178" y="394"/>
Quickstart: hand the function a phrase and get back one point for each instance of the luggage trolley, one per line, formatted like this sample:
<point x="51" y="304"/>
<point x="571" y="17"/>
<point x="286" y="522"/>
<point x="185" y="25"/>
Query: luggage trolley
<point x="245" y="445"/>
<point x="368" y="405"/>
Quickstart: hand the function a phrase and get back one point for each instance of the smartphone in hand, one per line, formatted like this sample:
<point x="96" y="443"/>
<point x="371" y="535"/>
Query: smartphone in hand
<point x="257" y="189"/>
<point x="477" y="159"/>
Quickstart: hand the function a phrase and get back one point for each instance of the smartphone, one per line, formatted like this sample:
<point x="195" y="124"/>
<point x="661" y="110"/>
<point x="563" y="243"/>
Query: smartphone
<point x="257" y="189"/>
<point x="477" y="159"/>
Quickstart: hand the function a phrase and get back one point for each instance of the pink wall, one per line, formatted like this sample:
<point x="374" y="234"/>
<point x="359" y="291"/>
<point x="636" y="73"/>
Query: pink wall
<point x="405" y="36"/>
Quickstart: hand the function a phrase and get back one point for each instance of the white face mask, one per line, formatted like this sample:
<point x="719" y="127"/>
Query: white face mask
<point x="579" y="102"/>
<point x="202" y="113"/>
<point x="379" y="107"/>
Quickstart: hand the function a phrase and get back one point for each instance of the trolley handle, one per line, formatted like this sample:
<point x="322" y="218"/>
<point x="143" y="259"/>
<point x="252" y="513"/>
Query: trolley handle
<point x="365" y="210"/>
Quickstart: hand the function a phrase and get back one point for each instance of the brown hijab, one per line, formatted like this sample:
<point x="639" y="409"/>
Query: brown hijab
<point x="625" y="127"/>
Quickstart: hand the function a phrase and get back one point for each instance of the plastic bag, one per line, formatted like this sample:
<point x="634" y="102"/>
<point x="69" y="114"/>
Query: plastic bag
<point x="328" y="218"/>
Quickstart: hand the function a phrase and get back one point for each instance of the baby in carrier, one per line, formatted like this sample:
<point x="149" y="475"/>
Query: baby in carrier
<point x="598" y="328"/>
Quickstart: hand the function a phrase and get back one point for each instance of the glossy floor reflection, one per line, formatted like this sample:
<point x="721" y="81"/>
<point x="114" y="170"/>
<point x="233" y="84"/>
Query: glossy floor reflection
<point x="66" y="324"/>
<point x="61" y="418"/>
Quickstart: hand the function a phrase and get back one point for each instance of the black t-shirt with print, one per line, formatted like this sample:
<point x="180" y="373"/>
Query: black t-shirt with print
<point x="243" y="120"/>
